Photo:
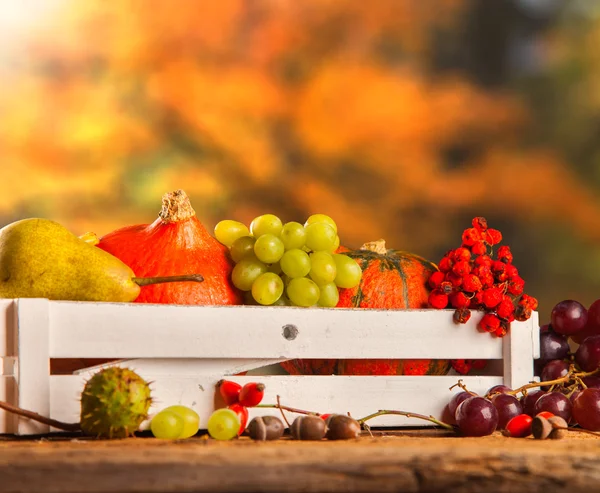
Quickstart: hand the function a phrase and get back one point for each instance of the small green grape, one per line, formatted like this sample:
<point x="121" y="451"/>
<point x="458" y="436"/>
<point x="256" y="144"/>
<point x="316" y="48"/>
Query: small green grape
<point x="167" y="425"/>
<point x="191" y="420"/>
<point x="320" y="237"/>
<point x="323" y="268"/>
<point x="223" y="424"/>
<point x="321" y="218"/>
<point x="267" y="288"/>
<point x="246" y="271"/>
<point x="349" y="272"/>
<point x="293" y="235"/>
<point x="227" y="231"/>
<point x="329" y="295"/>
<point x="268" y="248"/>
<point x="303" y="292"/>
<point x="266" y="224"/>
<point x="275" y="268"/>
<point x="282" y="301"/>
<point x="295" y="263"/>
<point x="336" y="244"/>
<point x="242" y="247"/>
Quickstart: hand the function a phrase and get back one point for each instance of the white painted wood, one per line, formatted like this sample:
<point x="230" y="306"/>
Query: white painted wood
<point x="33" y="364"/>
<point x="7" y="334"/>
<point x="118" y="330"/>
<point x="358" y="395"/>
<point x="519" y="352"/>
<point x="8" y="393"/>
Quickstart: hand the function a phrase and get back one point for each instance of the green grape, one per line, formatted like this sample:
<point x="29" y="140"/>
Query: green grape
<point x="275" y="268"/>
<point x="167" y="425"/>
<point x="349" y="272"/>
<point x="322" y="268"/>
<point x="266" y="224"/>
<point x="223" y="424"/>
<point x="329" y="295"/>
<point x="320" y="237"/>
<point x="246" y="271"/>
<point x="268" y="248"/>
<point x="293" y="235"/>
<point x="321" y="218"/>
<point x="267" y="288"/>
<point x="303" y="292"/>
<point x="242" y="247"/>
<point x="228" y="231"/>
<point x="249" y="299"/>
<point x="282" y="301"/>
<point x="191" y="420"/>
<point x="336" y="244"/>
<point x="295" y="263"/>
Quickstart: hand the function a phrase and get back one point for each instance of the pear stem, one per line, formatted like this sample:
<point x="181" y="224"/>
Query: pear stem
<point x="145" y="281"/>
<point x="39" y="418"/>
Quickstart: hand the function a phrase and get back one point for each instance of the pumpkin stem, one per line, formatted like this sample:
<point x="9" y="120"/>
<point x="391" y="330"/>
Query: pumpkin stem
<point x="176" y="207"/>
<point x="377" y="246"/>
<point x="144" y="281"/>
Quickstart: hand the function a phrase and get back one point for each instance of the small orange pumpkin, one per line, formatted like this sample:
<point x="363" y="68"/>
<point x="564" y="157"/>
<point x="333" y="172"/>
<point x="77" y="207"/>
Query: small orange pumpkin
<point x="390" y="279"/>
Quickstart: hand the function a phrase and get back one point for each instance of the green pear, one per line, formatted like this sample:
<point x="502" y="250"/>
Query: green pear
<point x="40" y="258"/>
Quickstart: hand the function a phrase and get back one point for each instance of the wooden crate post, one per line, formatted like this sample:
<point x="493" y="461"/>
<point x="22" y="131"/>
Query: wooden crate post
<point x="33" y="362"/>
<point x="519" y="349"/>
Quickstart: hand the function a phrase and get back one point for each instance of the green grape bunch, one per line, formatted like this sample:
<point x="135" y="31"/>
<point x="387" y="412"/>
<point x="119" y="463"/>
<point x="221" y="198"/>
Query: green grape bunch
<point x="288" y="264"/>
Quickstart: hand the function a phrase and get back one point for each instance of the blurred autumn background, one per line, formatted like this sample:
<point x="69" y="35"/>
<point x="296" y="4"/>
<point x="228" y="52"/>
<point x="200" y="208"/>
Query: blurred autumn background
<point x="401" y="119"/>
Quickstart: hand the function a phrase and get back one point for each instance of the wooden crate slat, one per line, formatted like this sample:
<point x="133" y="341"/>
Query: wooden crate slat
<point x="108" y="330"/>
<point x="357" y="394"/>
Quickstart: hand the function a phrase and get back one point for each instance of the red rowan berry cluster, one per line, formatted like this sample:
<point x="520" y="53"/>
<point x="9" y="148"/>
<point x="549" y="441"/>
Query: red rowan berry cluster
<point x="470" y="278"/>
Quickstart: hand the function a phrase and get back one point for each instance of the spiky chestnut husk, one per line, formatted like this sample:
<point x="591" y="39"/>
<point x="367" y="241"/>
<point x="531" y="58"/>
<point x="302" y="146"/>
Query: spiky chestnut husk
<point x="114" y="402"/>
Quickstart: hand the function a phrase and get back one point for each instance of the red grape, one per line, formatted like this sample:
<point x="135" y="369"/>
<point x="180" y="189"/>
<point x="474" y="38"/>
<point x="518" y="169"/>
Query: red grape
<point x="592" y="381"/>
<point x="456" y="400"/>
<point x="555" y="403"/>
<point x="528" y="401"/>
<point x="498" y="389"/>
<point x="554" y="369"/>
<point x="553" y="346"/>
<point x="508" y="406"/>
<point x="586" y="409"/>
<point x="476" y="417"/>
<point x="568" y="317"/>
<point x="592" y="327"/>
<point x="587" y="355"/>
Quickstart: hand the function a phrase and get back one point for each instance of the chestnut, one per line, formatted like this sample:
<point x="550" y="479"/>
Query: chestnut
<point x="342" y="427"/>
<point x="265" y="428"/>
<point x="308" y="427"/>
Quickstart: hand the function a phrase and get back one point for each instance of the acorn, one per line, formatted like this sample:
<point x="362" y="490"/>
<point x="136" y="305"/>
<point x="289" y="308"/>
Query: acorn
<point x="308" y="427"/>
<point x="342" y="427"/>
<point x="541" y="428"/>
<point x="265" y="428"/>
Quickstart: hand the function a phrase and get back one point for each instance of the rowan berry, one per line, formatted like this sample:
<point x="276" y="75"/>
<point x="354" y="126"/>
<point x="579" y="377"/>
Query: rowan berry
<point x="481" y="270"/>
<point x="461" y="253"/>
<point x="492" y="236"/>
<point x="459" y="300"/>
<point x="489" y="322"/>
<point x="479" y="223"/>
<point x="515" y="286"/>
<point x="492" y="297"/>
<point x="461" y="366"/>
<point x="505" y="309"/>
<point x="478" y="299"/>
<point x="436" y="279"/>
<point x="454" y="279"/>
<point x="484" y="260"/>
<point x="461" y="315"/>
<point x="471" y="283"/>
<point x="446" y="287"/>
<point x="498" y="266"/>
<point x="522" y="313"/>
<point x="479" y="364"/>
<point x="511" y="271"/>
<point x="487" y="280"/>
<point x="445" y="264"/>
<point x="461" y="268"/>
<point x="479" y="248"/>
<point x="501" y="331"/>
<point x="470" y="236"/>
<point x="528" y="301"/>
<point x="437" y="299"/>
<point x="504" y="254"/>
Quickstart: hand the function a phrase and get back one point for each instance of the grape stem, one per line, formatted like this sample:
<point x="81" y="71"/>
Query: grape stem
<point x="39" y="418"/>
<point x="287" y="408"/>
<point x="281" y="411"/>
<point x="383" y="412"/>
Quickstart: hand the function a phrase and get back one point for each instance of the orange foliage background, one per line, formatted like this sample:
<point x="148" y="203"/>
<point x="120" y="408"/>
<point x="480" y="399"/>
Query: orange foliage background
<point x="402" y="119"/>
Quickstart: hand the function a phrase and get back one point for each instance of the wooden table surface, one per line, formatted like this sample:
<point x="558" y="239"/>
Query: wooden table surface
<point x="400" y="461"/>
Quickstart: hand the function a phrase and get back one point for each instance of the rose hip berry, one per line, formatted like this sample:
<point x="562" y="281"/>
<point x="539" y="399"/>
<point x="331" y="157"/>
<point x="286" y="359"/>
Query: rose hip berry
<point x="230" y="391"/>
<point x="519" y="426"/>
<point x="251" y="394"/>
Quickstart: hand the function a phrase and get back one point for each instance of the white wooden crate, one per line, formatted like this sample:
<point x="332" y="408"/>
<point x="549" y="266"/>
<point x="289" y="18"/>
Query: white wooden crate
<point x="185" y="350"/>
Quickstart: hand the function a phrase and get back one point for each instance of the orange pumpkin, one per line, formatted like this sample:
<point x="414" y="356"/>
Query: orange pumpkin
<point x="391" y="279"/>
<point x="176" y="243"/>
